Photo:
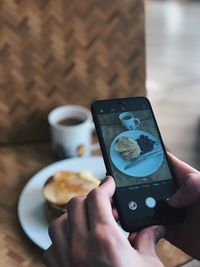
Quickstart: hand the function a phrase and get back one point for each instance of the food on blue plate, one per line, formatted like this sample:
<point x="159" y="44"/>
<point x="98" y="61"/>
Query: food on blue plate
<point x="145" y="143"/>
<point x="127" y="147"/>
<point x="63" y="186"/>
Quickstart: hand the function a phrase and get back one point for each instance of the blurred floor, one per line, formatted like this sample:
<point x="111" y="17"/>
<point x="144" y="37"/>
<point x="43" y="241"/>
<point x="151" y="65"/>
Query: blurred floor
<point x="173" y="74"/>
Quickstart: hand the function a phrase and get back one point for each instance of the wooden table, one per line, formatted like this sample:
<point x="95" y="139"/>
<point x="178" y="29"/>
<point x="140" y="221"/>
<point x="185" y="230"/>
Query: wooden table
<point x="17" y="165"/>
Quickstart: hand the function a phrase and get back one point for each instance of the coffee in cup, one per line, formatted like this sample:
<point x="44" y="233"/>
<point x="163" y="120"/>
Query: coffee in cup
<point x="71" y="131"/>
<point x="71" y="121"/>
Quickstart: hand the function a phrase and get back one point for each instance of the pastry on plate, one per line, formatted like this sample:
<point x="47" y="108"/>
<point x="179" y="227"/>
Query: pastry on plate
<point x="127" y="147"/>
<point x="62" y="187"/>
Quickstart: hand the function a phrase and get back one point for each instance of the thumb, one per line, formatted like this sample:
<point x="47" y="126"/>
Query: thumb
<point x="188" y="193"/>
<point x="108" y="186"/>
<point x="145" y="241"/>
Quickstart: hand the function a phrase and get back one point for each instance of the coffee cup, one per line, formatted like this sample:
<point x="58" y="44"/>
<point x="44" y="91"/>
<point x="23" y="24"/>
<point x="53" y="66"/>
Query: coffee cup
<point x="129" y="121"/>
<point x="71" y="130"/>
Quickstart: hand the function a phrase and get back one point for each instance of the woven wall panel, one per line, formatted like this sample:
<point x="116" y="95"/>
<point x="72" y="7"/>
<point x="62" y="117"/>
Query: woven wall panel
<point x="65" y="52"/>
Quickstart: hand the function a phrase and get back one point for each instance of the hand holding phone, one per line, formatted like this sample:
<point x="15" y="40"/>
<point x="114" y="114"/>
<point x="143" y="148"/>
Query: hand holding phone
<point x="135" y="156"/>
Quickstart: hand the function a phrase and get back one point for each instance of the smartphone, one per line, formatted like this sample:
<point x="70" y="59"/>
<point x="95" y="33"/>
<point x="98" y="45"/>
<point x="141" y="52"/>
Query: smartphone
<point x="134" y="154"/>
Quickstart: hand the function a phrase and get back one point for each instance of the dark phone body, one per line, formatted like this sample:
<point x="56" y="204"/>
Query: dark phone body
<point x="135" y="156"/>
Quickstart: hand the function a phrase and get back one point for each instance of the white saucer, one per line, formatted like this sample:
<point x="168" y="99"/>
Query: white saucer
<point x="31" y="201"/>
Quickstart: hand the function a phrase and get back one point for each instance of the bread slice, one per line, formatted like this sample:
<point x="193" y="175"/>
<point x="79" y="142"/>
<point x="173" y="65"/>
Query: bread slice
<point x="63" y="186"/>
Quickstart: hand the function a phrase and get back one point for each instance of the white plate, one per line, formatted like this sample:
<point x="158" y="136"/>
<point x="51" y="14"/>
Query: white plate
<point x="31" y="202"/>
<point x="142" y="168"/>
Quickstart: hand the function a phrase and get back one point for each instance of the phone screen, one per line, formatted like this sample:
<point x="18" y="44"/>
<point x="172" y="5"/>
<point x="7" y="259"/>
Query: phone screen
<point x="135" y="156"/>
<point x="134" y="147"/>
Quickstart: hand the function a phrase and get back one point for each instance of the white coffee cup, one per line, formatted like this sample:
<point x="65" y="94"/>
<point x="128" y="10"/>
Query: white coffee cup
<point x="129" y="121"/>
<point x="71" y="131"/>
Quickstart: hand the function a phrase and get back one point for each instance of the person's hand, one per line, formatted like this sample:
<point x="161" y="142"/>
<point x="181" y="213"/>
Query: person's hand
<point x="186" y="235"/>
<point x="89" y="236"/>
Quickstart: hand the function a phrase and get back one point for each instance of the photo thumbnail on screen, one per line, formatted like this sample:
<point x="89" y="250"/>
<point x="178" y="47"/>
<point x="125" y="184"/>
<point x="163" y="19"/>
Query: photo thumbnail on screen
<point x="134" y="147"/>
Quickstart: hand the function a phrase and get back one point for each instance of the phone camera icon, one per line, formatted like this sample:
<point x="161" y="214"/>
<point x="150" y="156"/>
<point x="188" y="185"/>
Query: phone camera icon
<point x="132" y="205"/>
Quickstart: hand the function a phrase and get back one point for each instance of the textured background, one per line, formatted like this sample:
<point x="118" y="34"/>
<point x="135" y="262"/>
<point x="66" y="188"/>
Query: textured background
<point x="55" y="52"/>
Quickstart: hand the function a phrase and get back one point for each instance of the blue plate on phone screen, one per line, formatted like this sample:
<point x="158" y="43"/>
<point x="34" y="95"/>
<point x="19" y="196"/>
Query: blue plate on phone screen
<point x="143" y="165"/>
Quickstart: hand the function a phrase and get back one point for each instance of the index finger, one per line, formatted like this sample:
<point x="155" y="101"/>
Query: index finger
<point x="99" y="205"/>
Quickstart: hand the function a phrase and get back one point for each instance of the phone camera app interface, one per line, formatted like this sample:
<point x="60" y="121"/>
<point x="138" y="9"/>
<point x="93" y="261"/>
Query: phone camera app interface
<point x="134" y="147"/>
